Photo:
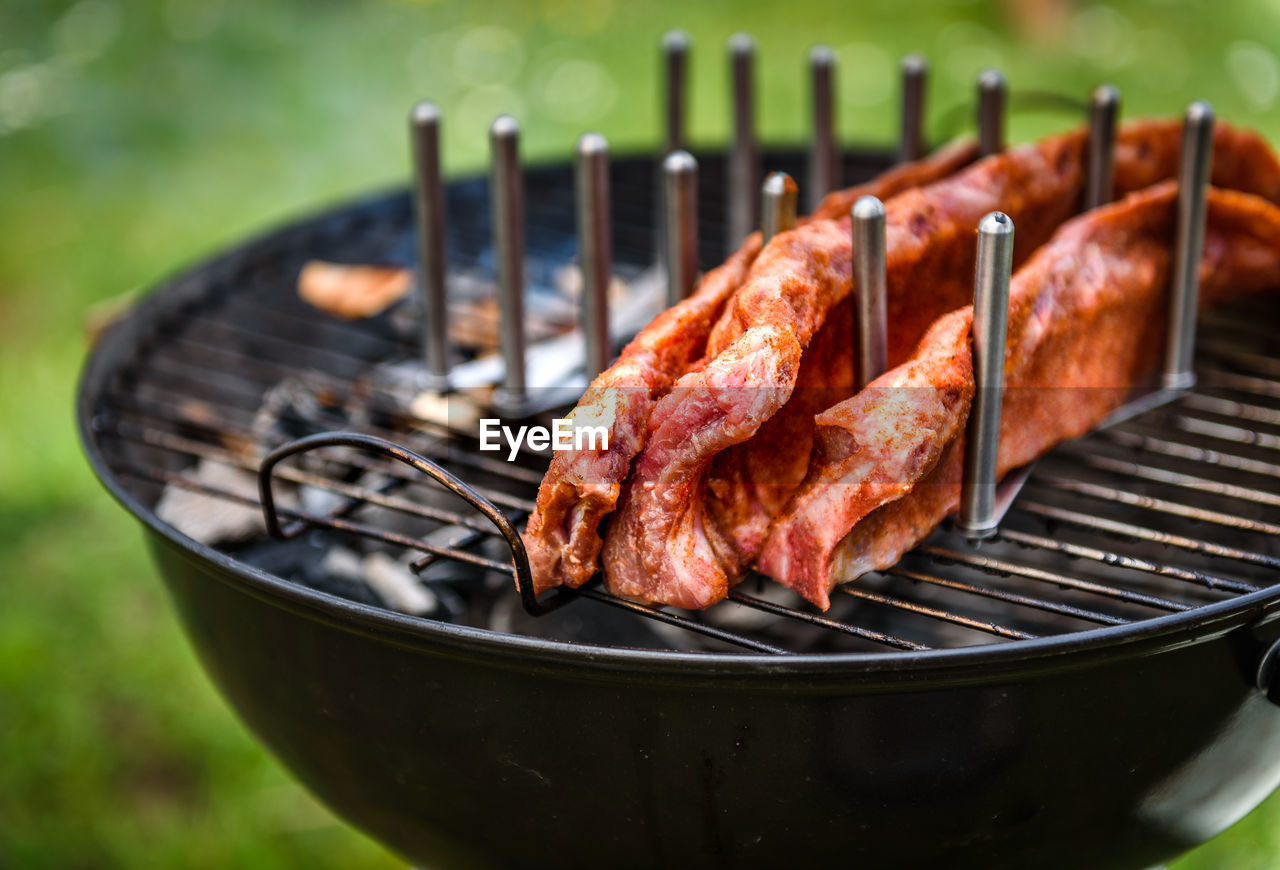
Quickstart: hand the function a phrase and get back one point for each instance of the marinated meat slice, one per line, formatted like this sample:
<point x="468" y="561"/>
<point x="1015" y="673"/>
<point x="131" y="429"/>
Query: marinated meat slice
<point x="352" y="292"/>
<point x="749" y="482"/>
<point x="701" y="496"/>
<point x="947" y="160"/>
<point x="1086" y="322"/>
<point x="581" y="487"/>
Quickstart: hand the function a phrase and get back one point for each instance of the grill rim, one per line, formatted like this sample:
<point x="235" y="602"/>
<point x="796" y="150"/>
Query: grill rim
<point x="980" y="663"/>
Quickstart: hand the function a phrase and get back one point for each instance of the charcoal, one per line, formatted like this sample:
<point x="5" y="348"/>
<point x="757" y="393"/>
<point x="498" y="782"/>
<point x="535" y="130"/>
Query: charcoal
<point x="305" y="560"/>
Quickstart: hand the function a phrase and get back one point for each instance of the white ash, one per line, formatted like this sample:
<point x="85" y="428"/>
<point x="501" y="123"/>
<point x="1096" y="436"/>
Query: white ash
<point x="212" y="519"/>
<point x="320" y="502"/>
<point x="557" y="362"/>
<point x="393" y="581"/>
<point x="343" y="563"/>
<point x="397" y="585"/>
<point x="449" y="538"/>
<point x="443" y="409"/>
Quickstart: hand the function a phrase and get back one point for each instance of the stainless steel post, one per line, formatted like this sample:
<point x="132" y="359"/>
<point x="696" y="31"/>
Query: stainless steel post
<point x="744" y="153"/>
<point x="978" y="515"/>
<point x="778" y="197"/>
<point x="595" y="248"/>
<point x="507" y="193"/>
<point x="866" y="224"/>
<point x="428" y="204"/>
<point x="1104" y="107"/>
<point x="992" y="91"/>
<point x="915" y="80"/>
<point x="675" y="65"/>
<point x="824" y="156"/>
<point x="1194" y="167"/>
<point x="680" y="224"/>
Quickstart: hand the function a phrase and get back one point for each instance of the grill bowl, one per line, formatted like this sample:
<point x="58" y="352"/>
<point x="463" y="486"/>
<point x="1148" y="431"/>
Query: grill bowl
<point x="1113" y="747"/>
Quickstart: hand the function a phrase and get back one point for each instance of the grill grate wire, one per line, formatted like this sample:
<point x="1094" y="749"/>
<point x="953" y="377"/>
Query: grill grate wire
<point x="1165" y="512"/>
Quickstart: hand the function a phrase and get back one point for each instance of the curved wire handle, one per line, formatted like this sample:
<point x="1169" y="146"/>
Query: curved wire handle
<point x="373" y="444"/>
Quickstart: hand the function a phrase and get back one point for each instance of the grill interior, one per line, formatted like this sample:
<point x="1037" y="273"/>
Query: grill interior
<point x="1170" y="510"/>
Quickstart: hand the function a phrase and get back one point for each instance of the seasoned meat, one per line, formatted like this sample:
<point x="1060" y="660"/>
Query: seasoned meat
<point x="706" y="486"/>
<point x="352" y="292"/>
<point x="1086" y="322"/>
<point x="581" y="487"/>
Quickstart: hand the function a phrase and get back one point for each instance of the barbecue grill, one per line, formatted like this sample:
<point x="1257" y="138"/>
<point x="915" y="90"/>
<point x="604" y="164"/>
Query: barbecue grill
<point x="1095" y="685"/>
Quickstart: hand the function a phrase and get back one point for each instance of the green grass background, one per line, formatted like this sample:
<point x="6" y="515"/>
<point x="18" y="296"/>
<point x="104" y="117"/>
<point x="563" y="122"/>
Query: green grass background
<point x="138" y="136"/>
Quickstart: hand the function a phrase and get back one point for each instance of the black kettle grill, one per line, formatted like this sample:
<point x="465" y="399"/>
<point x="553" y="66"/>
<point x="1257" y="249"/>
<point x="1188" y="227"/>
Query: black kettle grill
<point x="1096" y="686"/>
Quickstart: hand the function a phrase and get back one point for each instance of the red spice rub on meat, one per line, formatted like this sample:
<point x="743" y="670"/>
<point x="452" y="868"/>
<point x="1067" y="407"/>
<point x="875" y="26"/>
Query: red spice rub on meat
<point x="697" y="507"/>
<point x="582" y="486"/>
<point x="1087" y="320"/>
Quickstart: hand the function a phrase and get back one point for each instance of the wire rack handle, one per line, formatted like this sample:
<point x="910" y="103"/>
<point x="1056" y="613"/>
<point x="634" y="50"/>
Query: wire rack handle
<point x="382" y="447"/>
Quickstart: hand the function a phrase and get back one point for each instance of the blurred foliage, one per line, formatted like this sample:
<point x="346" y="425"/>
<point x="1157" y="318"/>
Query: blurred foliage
<point x="137" y="136"/>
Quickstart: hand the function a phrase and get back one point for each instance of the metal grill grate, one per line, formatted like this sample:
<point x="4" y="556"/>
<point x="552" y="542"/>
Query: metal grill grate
<point x="1162" y="513"/>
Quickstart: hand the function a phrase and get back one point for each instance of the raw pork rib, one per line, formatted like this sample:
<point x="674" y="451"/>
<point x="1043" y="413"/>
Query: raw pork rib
<point x="1086" y="321"/>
